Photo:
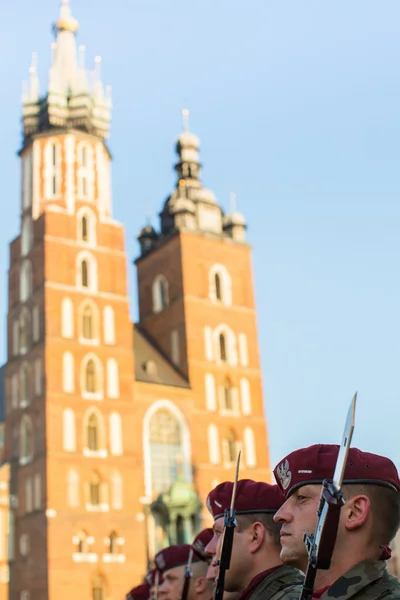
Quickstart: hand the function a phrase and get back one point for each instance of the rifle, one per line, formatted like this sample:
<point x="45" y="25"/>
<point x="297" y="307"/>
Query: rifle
<point x="321" y="545"/>
<point x="187" y="576"/>
<point x="156" y="584"/>
<point x="227" y="539"/>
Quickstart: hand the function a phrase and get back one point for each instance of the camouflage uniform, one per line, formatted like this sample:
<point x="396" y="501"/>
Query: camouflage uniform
<point x="365" y="581"/>
<point x="284" y="583"/>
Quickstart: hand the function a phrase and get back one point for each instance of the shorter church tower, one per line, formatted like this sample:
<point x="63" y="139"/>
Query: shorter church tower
<point x="196" y="304"/>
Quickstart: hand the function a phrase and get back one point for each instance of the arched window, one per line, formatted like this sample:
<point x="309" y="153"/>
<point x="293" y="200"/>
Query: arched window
<point x="52" y="169"/>
<point x="15" y="441"/>
<point x="220" y="285"/>
<point x="84" y="229"/>
<point x="82" y="545"/>
<point x="25" y="283"/>
<point x="224" y="343"/>
<point x="86" y="226"/>
<point x="24" y="331"/>
<point x="213" y="444"/>
<point x="95" y="489"/>
<point x="85" y="274"/>
<point x="67" y="318"/>
<point x="35" y="323"/>
<point x="91" y="373"/>
<point x="94" y="433"/>
<point x="165" y="448"/>
<point x="85" y="171"/>
<point x="87" y="323"/>
<point x="68" y="373"/>
<point x="69" y="432"/>
<point x="112" y="378"/>
<point x="230" y="447"/>
<point x="15" y="337"/>
<point x="250" y="447"/>
<point x="90" y="377"/>
<point x="14" y="391"/>
<point x="222" y="347"/>
<point x="113" y="545"/>
<point x="218" y="288"/>
<point x="98" y="588"/>
<point x="228" y="396"/>
<point x="117" y="491"/>
<point x="160" y="294"/>
<point x="26" y="236"/>
<point x="25" y="440"/>
<point x="24" y="384"/>
<point x="86" y="271"/>
<point x="72" y="488"/>
<point x="109" y="325"/>
<point x="116" y="446"/>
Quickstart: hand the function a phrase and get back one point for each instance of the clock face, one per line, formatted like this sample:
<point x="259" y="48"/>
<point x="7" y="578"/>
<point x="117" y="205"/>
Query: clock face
<point x="210" y="219"/>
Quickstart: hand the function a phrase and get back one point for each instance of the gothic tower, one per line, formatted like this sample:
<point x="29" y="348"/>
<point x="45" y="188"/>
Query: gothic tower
<point x="69" y="373"/>
<point x="196" y="303"/>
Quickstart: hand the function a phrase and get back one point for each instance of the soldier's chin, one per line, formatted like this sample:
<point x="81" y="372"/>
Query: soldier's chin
<point x="289" y="556"/>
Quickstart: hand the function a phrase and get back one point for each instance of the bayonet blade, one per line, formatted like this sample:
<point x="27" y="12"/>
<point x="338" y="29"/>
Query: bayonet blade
<point x="345" y="445"/>
<point x="235" y="483"/>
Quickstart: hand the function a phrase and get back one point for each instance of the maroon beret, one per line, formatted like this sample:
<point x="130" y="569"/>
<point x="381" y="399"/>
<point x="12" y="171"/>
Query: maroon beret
<point x="151" y="577"/>
<point x="314" y="464"/>
<point x="174" y="556"/>
<point x="252" y="497"/>
<point x="141" y="592"/>
<point x="200" y="542"/>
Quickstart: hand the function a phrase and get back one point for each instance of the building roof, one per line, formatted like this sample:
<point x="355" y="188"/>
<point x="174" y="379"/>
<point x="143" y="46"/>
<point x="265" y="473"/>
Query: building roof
<point x="2" y="395"/>
<point x="151" y="365"/>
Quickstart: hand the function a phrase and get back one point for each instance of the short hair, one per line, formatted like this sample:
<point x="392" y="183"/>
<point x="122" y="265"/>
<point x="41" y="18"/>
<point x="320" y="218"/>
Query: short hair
<point x="385" y="508"/>
<point x="266" y="519"/>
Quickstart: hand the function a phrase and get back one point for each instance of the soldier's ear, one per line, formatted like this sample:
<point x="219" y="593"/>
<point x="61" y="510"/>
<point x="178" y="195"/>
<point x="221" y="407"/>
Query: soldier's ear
<point x="200" y="584"/>
<point x="357" y="510"/>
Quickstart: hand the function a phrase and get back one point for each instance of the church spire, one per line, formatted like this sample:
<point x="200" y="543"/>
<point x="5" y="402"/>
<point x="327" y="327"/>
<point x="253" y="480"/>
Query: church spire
<point x="73" y="99"/>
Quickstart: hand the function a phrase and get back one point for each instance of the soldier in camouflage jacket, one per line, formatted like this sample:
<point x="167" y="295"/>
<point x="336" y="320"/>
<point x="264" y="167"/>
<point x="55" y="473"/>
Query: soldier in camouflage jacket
<point x="369" y="520"/>
<point x="256" y="570"/>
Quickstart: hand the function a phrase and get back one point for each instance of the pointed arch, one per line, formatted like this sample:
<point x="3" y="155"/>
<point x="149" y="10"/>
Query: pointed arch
<point x="220" y="285"/>
<point x="185" y="454"/>
<point x="224" y="342"/>
<point x="88" y="315"/>
<point x="92" y="377"/>
<point x="85" y="171"/>
<point x="99" y="587"/>
<point x="52" y="169"/>
<point x="86" y="226"/>
<point x="26" y="235"/>
<point x="94" y="438"/>
<point x="25" y="331"/>
<point x="24" y="384"/>
<point x="86" y="271"/>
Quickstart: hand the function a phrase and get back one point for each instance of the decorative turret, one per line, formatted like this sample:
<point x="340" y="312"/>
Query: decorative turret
<point x="73" y="99"/>
<point x="234" y="223"/>
<point x="147" y="239"/>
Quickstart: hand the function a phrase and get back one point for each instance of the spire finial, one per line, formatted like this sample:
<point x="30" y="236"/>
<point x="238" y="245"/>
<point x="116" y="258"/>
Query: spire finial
<point x="232" y="202"/>
<point x="185" y="119"/>
<point x="66" y="22"/>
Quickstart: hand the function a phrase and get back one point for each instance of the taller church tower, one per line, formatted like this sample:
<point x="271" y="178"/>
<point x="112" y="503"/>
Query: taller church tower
<point x="69" y="374"/>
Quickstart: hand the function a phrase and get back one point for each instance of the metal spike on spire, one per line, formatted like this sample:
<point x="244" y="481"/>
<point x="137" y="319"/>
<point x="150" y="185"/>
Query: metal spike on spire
<point x="185" y="119"/>
<point x="33" y="80"/>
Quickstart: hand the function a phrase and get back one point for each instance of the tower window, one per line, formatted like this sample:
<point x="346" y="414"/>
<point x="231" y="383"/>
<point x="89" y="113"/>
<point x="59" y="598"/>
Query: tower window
<point x="93" y="433"/>
<point x="54" y="155"/>
<point x="87" y="323"/>
<point x="94" y="489"/>
<point x="228" y="400"/>
<point x="98" y="588"/>
<point x="54" y="185"/>
<point x="85" y="274"/>
<point x="160" y="294"/>
<point x="83" y="542"/>
<point x="26" y="441"/>
<point x="91" y="379"/>
<point x="113" y="547"/>
<point x="218" y="292"/>
<point x="84" y="228"/>
<point x="24" y="385"/>
<point x="222" y="347"/>
<point x="165" y="449"/>
<point x="231" y="449"/>
<point x="84" y="156"/>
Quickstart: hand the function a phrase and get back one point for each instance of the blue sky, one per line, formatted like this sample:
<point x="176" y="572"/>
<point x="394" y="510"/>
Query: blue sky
<point x="297" y="106"/>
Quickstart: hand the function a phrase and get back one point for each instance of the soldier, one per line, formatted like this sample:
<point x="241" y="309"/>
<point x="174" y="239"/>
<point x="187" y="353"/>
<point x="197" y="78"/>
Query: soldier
<point x="200" y="542"/>
<point x="140" y="592"/>
<point x="212" y="574"/>
<point x="154" y="580"/>
<point x="368" y="522"/>
<point x="172" y="562"/>
<point x="256" y="570"/>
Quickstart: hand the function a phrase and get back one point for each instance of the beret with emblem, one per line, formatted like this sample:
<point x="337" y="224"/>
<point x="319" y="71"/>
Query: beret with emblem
<point x="252" y="497"/>
<point x="174" y="556"/>
<point x="141" y="592"/>
<point x="314" y="464"/>
<point x="151" y="577"/>
<point x="200" y="542"/>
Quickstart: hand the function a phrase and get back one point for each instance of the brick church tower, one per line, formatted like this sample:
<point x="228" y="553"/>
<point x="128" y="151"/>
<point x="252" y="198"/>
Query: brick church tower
<point x="69" y="374"/>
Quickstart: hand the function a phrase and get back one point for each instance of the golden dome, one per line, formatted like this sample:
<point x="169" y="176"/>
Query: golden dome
<point x="67" y="24"/>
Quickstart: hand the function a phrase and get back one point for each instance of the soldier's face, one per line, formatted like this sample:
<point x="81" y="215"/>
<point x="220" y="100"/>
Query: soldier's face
<point x="171" y="587"/>
<point x="237" y="575"/>
<point x="212" y="573"/>
<point x="218" y="529"/>
<point x="298" y="516"/>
